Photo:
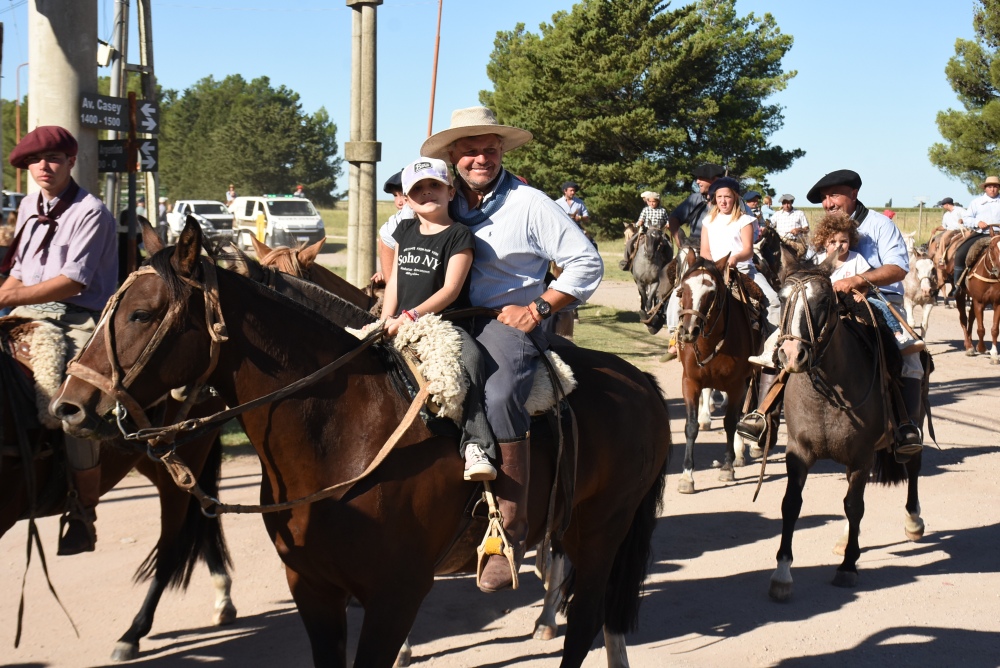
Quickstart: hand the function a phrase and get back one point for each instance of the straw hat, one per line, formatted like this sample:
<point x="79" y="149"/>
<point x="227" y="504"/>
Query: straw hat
<point x="473" y="122"/>
<point x="991" y="181"/>
<point x="649" y="194"/>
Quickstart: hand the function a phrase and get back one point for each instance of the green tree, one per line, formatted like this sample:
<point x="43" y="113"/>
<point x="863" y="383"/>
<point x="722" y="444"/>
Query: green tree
<point x="10" y="141"/>
<point x="628" y="95"/>
<point x="969" y="151"/>
<point x="247" y="133"/>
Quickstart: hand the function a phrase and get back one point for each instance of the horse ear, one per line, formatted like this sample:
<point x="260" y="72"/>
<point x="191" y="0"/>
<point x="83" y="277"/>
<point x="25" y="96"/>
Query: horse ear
<point x="826" y="266"/>
<point x="789" y="261"/>
<point x="188" y="248"/>
<point x="260" y="248"/>
<point x="721" y="264"/>
<point x="150" y="239"/>
<point x="308" y="254"/>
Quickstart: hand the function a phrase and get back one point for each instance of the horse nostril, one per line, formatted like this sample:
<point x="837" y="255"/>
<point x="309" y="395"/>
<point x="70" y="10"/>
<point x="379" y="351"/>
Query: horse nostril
<point x="68" y="412"/>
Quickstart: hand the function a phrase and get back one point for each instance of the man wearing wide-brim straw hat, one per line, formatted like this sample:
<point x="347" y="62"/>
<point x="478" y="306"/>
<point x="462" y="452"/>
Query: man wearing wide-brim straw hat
<point x="518" y="230"/>
<point x="983" y="212"/>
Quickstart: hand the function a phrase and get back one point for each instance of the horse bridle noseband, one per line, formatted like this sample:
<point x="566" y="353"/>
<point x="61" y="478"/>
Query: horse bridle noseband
<point x="815" y="343"/>
<point x="707" y="330"/>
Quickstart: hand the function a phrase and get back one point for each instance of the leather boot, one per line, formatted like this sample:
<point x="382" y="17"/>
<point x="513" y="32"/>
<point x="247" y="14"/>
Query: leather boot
<point x="511" y="489"/>
<point x="752" y="425"/>
<point x="909" y="439"/>
<point x="76" y="527"/>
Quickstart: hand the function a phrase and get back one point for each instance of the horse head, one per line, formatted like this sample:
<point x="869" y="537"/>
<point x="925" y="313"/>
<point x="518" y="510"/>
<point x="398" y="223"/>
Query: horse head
<point x="924" y="271"/>
<point x="808" y="313"/>
<point x="701" y="288"/>
<point x="160" y="331"/>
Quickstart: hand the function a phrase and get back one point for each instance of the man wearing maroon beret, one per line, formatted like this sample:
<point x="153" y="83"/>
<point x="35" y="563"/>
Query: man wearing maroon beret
<point x="62" y="267"/>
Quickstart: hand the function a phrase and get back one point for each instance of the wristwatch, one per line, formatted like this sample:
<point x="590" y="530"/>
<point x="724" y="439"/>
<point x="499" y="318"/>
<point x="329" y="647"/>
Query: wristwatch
<point x="543" y="307"/>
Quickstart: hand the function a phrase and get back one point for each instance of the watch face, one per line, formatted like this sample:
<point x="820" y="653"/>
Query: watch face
<point x="544" y="308"/>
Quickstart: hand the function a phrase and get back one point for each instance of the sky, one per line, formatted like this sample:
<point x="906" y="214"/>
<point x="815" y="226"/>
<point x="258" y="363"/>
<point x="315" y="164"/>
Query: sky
<point x="870" y="76"/>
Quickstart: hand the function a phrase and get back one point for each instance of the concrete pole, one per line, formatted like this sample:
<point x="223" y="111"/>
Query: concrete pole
<point x="119" y="50"/>
<point x="363" y="151"/>
<point x="62" y="50"/>
<point x="148" y="93"/>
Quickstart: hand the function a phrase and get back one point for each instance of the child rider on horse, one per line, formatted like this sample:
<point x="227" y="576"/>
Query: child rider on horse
<point x="430" y="274"/>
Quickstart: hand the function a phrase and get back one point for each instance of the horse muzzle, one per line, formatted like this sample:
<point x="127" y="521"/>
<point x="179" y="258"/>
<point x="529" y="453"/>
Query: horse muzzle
<point x="794" y="356"/>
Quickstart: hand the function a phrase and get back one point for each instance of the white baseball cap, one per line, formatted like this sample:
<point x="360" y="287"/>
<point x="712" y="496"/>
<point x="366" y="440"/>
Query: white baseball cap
<point x="425" y="168"/>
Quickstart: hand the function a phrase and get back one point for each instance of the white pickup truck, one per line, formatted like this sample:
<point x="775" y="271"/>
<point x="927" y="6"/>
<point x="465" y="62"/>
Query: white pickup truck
<point x="215" y="220"/>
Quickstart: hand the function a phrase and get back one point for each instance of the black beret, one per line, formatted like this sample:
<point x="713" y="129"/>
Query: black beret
<point x="44" y="138"/>
<point x="841" y="177"/>
<point x="394" y="183"/>
<point x="751" y="195"/>
<point x="946" y="200"/>
<point x="569" y="184"/>
<point x="724" y="182"/>
<point x="708" y="171"/>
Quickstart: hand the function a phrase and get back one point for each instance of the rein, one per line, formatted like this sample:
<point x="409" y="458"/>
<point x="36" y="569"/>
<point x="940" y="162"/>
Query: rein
<point x="117" y="387"/>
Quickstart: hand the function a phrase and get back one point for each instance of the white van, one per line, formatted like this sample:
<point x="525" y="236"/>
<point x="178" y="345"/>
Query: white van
<point x="277" y="220"/>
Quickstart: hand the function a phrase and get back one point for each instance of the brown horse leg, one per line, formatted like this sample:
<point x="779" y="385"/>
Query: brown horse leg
<point x="389" y="616"/>
<point x="791" y="505"/>
<point x="963" y="319"/>
<point x="734" y="409"/>
<point x="995" y="332"/>
<point x="323" y="611"/>
<point x="978" y="308"/>
<point x="854" y="508"/>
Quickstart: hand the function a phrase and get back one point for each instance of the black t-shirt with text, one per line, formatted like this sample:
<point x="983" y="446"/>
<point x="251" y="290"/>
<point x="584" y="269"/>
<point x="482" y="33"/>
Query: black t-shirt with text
<point x="423" y="262"/>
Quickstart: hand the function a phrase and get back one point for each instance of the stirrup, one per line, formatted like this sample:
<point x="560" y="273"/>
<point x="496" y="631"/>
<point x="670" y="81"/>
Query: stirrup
<point x="751" y="426"/>
<point x="496" y="541"/>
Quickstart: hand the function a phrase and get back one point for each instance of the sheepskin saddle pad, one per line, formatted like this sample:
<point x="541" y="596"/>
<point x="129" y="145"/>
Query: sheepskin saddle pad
<point x="40" y="347"/>
<point x="433" y="349"/>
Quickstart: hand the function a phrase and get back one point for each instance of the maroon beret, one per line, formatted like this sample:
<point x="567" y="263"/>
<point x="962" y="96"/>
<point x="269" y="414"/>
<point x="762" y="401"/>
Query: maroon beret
<point x="44" y="138"/>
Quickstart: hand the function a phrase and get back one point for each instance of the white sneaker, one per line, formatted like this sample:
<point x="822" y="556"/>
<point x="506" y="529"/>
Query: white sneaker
<point x="477" y="465"/>
<point x="766" y="357"/>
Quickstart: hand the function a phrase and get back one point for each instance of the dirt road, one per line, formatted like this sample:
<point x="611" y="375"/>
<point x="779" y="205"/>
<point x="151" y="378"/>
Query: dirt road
<point x="931" y="603"/>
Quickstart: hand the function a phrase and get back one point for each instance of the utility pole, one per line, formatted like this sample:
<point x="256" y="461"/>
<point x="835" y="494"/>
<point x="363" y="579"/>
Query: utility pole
<point x="362" y="151"/>
<point x="62" y="48"/>
<point x="119" y="49"/>
<point x="149" y="94"/>
<point x="434" y="71"/>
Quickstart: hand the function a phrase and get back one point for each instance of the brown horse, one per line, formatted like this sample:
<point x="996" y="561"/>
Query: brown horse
<point x="384" y="539"/>
<point x="186" y="535"/>
<point x="836" y="407"/>
<point x="943" y="256"/>
<point x="982" y="287"/>
<point x="301" y="262"/>
<point x="714" y="340"/>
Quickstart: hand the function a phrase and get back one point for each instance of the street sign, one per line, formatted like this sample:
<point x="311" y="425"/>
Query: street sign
<point x="111" y="113"/>
<point x="112" y="155"/>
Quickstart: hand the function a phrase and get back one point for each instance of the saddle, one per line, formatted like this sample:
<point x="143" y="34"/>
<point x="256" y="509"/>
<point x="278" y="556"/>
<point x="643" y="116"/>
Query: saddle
<point x="39" y="348"/>
<point x="432" y="350"/>
<point x="976" y="251"/>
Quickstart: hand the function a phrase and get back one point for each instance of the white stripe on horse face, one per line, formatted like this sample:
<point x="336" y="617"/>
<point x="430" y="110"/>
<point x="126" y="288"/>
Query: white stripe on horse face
<point x="702" y="287"/>
<point x="798" y="325"/>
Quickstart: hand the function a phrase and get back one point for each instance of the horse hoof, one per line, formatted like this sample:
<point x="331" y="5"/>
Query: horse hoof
<point x="125" y="651"/>
<point x="404" y="658"/>
<point x="224" y="615"/>
<point x="969" y="352"/>
<point x="914" y="529"/>
<point x="739" y="462"/>
<point x="780" y="591"/>
<point x="727" y="475"/>
<point x="545" y="632"/>
<point x="685" y="486"/>
<point x="841" y="547"/>
<point x="994" y="359"/>
<point x="845" y="579"/>
<point x="705" y="426"/>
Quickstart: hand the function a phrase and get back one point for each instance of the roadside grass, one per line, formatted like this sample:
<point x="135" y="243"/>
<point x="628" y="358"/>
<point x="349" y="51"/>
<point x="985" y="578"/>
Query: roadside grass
<point x="618" y="332"/>
<point x="335" y="219"/>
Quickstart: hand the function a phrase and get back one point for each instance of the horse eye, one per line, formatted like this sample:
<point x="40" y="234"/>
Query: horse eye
<point x="140" y="316"/>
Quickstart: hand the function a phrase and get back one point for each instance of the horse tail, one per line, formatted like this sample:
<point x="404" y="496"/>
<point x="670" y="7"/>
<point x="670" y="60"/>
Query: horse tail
<point x="200" y="537"/>
<point x="886" y="470"/>
<point x="624" y="591"/>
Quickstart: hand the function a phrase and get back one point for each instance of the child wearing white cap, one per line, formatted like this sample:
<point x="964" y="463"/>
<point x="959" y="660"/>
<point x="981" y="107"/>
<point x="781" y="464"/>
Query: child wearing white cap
<point x="430" y="274"/>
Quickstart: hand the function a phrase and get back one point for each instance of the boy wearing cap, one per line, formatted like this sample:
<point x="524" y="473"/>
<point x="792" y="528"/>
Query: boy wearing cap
<point x="433" y="256"/>
<point x="63" y="266"/>
<point x="386" y="244"/>
<point x="789" y="221"/>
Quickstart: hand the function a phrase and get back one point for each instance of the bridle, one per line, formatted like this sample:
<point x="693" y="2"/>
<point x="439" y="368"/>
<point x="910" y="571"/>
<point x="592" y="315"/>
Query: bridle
<point x="708" y="327"/>
<point x="816" y="343"/>
<point x="117" y="384"/>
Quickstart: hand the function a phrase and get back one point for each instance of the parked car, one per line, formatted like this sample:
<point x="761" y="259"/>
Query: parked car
<point x="277" y="220"/>
<point x="215" y="219"/>
<point x="11" y="201"/>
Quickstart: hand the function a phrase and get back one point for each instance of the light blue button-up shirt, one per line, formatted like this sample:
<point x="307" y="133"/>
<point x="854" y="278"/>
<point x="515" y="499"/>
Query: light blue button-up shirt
<point x="516" y="243"/>
<point x="880" y="242"/>
<point x="983" y="208"/>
